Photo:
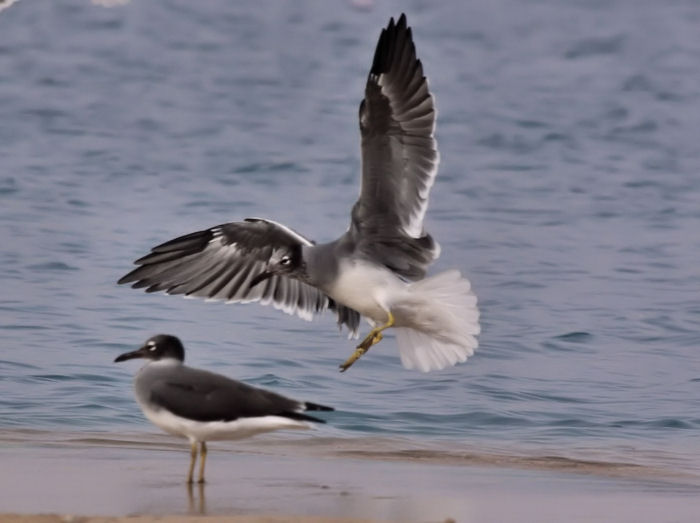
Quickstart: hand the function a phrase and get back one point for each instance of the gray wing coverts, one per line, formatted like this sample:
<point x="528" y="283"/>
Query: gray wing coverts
<point x="219" y="264"/>
<point x="205" y="396"/>
<point x="399" y="158"/>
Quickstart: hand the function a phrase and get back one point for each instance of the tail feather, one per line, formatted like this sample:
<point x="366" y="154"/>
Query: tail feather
<point x="443" y="323"/>
<point x="315" y="406"/>
<point x="303" y="406"/>
<point x="300" y="416"/>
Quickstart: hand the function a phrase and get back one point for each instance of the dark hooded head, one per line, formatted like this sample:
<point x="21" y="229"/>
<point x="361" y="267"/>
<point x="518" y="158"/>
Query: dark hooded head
<point x="159" y="347"/>
<point x="285" y="261"/>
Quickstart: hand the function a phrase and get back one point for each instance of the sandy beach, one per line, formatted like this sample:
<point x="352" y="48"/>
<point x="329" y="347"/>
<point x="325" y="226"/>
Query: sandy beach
<point x="102" y="477"/>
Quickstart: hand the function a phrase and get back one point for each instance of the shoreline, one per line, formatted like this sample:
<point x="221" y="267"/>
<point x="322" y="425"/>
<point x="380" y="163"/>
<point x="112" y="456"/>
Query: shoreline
<point x="139" y="478"/>
<point x="57" y="518"/>
<point x="647" y="465"/>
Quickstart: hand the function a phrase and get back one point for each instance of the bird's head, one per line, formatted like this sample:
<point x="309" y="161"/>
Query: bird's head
<point x="157" y="348"/>
<point x="285" y="261"/>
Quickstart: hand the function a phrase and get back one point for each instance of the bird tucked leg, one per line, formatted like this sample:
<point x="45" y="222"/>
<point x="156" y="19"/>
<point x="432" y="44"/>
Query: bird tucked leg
<point x="374" y="337"/>
<point x="193" y="459"/>
<point x="202" y="459"/>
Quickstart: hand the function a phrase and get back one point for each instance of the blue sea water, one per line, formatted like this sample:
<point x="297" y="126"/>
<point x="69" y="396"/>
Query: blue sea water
<point x="568" y="193"/>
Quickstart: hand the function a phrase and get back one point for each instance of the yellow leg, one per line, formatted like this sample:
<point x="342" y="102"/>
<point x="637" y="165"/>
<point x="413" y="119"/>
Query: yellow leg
<point x="374" y="337"/>
<point x="193" y="459"/>
<point x="202" y="459"/>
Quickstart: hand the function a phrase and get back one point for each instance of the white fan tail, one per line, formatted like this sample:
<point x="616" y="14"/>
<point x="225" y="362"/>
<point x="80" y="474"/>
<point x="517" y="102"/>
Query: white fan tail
<point x="441" y="322"/>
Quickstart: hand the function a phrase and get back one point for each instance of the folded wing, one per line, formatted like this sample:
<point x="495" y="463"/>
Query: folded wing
<point x="204" y="396"/>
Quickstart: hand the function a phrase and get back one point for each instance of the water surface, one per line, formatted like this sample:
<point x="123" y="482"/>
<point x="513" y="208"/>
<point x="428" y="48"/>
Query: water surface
<point x="568" y="192"/>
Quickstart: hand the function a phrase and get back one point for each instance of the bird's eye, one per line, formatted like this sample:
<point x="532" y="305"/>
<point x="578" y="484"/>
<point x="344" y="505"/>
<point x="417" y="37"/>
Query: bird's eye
<point x="286" y="260"/>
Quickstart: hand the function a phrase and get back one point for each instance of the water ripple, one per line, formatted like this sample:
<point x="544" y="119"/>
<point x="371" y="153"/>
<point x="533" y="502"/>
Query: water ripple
<point x="567" y="194"/>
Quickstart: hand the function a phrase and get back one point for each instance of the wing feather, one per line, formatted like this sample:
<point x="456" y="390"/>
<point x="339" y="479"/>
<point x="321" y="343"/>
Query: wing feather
<point x="220" y="263"/>
<point x="204" y="396"/>
<point x="399" y="157"/>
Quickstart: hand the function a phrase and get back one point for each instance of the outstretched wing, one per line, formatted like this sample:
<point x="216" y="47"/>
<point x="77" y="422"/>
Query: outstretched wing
<point x="399" y="156"/>
<point x="220" y="263"/>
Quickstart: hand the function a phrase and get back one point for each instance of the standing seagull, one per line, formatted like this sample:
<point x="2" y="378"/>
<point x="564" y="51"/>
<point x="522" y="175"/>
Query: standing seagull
<point x="203" y="406"/>
<point x="376" y="268"/>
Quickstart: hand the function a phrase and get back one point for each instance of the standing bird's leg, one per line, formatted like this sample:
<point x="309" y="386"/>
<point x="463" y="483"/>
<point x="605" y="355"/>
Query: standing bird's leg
<point x="201" y="507"/>
<point x="190" y="498"/>
<point x="193" y="459"/>
<point x="374" y="337"/>
<point x="202" y="459"/>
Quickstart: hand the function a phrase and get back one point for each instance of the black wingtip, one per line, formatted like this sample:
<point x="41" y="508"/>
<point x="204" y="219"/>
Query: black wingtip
<point x="387" y="43"/>
<point x="316" y="406"/>
<point x="127" y="278"/>
<point x="300" y="416"/>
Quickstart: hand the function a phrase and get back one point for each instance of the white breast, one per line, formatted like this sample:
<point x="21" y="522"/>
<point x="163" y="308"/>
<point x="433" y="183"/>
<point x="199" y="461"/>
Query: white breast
<point x="218" y="430"/>
<point x="367" y="288"/>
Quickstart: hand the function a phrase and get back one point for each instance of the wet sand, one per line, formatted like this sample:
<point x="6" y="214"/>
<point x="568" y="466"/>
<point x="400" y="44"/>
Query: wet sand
<point x="53" y="518"/>
<point x="90" y="478"/>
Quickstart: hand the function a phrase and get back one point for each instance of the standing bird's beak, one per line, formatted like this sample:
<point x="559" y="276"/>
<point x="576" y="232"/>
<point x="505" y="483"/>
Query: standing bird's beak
<point x="140" y="353"/>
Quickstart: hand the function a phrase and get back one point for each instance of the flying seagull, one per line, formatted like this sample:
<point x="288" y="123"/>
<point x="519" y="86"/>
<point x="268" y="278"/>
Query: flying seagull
<point x="203" y="406"/>
<point x="377" y="268"/>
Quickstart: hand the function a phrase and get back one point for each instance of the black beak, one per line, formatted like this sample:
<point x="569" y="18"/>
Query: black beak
<point x="140" y="353"/>
<point x="260" y="277"/>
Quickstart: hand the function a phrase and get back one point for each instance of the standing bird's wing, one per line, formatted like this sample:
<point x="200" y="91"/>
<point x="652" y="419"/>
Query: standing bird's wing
<point x="399" y="158"/>
<point x="220" y="263"/>
<point x="205" y="396"/>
